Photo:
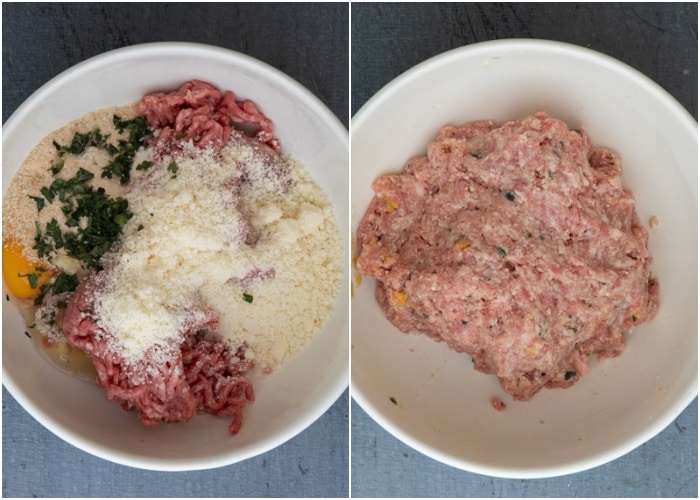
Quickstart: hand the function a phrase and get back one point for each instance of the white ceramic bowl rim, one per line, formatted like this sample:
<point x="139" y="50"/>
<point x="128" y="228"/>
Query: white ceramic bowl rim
<point x="485" y="49"/>
<point x="335" y="129"/>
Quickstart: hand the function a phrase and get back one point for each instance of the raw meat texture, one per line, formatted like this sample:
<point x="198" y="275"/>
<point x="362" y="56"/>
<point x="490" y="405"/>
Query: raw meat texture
<point x="200" y="113"/>
<point x="516" y="244"/>
<point x="171" y="383"/>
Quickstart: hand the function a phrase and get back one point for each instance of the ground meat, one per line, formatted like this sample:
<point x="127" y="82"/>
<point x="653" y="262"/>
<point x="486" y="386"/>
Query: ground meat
<point x="200" y="113"/>
<point x="498" y="404"/>
<point x="516" y="244"/>
<point x="171" y="383"/>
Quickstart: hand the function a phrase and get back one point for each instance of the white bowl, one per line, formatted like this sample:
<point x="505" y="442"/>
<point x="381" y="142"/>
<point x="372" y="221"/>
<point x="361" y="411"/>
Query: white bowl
<point x="290" y="399"/>
<point x="442" y="405"/>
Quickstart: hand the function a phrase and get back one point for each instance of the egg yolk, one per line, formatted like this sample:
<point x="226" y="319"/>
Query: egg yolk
<point x="22" y="276"/>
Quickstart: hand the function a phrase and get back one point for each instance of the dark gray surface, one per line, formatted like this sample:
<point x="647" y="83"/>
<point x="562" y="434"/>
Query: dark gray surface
<point x="309" y="43"/>
<point x="659" y="40"/>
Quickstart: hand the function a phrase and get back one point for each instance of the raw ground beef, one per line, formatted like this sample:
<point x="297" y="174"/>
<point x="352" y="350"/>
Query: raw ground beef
<point x="200" y="113"/>
<point x="516" y="244"/>
<point x="172" y="383"/>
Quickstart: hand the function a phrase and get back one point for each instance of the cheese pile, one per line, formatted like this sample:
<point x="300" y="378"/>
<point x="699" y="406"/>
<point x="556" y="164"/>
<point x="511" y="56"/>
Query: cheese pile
<point x="229" y="234"/>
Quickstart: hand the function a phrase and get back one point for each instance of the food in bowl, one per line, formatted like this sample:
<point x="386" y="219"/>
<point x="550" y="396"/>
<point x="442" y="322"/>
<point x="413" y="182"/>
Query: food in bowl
<point x="170" y="247"/>
<point x="516" y="244"/>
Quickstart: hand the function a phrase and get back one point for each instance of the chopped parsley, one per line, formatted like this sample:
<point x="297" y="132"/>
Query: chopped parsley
<point x="569" y="374"/>
<point x="501" y="252"/>
<point x="81" y="142"/>
<point x="57" y="167"/>
<point x="61" y="284"/>
<point x="248" y="298"/>
<point x="510" y="196"/>
<point x="122" y="153"/>
<point x="33" y="279"/>
<point x="65" y="283"/>
<point x="39" y="202"/>
<point x="105" y="219"/>
<point x="120" y="165"/>
<point x="393" y="400"/>
<point x="172" y="168"/>
<point x="96" y="218"/>
<point x="144" y="165"/>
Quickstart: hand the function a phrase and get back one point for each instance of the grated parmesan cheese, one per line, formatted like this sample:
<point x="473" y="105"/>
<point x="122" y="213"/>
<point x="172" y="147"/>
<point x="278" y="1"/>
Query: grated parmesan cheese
<point x="212" y="231"/>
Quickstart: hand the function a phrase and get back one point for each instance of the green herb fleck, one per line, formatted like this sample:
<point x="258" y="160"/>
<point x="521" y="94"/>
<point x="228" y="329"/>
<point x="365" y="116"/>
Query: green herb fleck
<point x="393" y="400"/>
<point x="33" y="279"/>
<point x="27" y="334"/>
<point x="82" y="141"/>
<point x="501" y="252"/>
<point x="124" y="152"/>
<point x="634" y="318"/>
<point x="181" y="136"/>
<point x="57" y="167"/>
<point x="248" y="298"/>
<point x="510" y="196"/>
<point x="104" y="218"/>
<point x="65" y="283"/>
<point x="48" y="194"/>
<point x="479" y="155"/>
<point x="173" y="169"/>
<point x="39" y="203"/>
<point x="7" y="297"/>
<point x="144" y="165"/>
<point x="569" y="374"/>
<point x="43" y="289"/>
<point x="465" y="322"/>
<point x="550" y="174"/>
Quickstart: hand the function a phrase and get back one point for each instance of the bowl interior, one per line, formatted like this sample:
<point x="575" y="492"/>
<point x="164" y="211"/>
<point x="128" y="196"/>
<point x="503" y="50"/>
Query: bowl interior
<point x="288" y="400"/>
<point x="442" y="405"/>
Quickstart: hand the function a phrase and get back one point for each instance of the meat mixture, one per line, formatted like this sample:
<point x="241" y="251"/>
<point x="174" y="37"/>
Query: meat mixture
<point x="516" y="244"/>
